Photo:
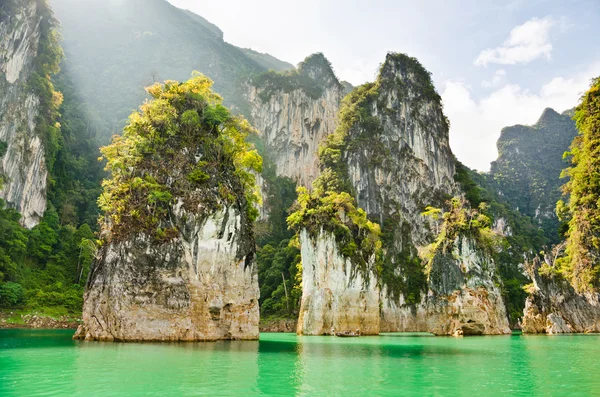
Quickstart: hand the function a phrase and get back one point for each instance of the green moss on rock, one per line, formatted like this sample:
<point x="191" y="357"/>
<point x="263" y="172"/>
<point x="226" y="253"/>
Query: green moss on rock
<point x="181" y="146"/>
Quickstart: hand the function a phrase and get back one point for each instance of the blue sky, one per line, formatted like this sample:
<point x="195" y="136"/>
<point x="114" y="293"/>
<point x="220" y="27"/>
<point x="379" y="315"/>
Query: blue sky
<point x="494" y="63"/>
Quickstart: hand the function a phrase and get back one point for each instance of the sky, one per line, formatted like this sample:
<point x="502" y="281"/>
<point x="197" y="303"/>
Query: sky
<point x="495" y="63"/>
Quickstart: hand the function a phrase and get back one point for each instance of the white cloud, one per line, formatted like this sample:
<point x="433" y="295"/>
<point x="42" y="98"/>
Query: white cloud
<point x="359" y="71"/>
<point x="497" y="79"/>
<point x="525" y="43"/>
<point x="475" y="124"/>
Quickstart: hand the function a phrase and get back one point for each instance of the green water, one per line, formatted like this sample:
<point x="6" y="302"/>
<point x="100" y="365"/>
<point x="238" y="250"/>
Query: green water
<point x="49" y="363"/>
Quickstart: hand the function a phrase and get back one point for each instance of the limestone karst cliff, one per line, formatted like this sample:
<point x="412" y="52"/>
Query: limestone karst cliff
<point x="464" y="296"/>
<point x="177" y="257"/>
<point x="565" y="296"/>
<point x="530" y="160"/>
<point x="28" y="55"/>
<point x="553" y="306"/>
<point x="334" y="294"/>
<point x="294" y="112"/>
<point x="391" y="152"/>
<point x="115" y="48"/>
<point x="340" y="251"/>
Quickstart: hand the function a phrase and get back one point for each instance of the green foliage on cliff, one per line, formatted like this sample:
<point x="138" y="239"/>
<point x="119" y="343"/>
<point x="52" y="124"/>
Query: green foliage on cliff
<point x="43" y="269"/>
<point x="277" y="259"/>
<point x="182" y="145"/>
<point x="358" y="238"/>
<point x="460" y="220"/>
<point x="40" y="83"/>
<point x="423" y="87"/>
<point x="354" y="114"/>
<point x="523" y="237"/>
<point x="399" y="267"/>
<point x="581" y="265"/>
<point x="527" y="171"/>
<point x="402" y="270"/>
<point x="312" y="76"/>
<point x="113" y="58"/>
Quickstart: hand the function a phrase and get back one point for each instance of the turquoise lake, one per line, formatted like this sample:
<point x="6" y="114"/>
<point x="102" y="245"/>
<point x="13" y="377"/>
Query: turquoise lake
<point x="49" y="363"/>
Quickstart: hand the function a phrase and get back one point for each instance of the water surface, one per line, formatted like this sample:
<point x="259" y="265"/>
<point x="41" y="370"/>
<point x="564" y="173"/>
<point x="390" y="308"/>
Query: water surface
<point x="49" y="363"/>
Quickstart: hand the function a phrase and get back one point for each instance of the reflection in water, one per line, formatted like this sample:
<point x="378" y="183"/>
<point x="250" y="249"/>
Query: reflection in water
<point x="34" y="363"/>
<point x="206" y="366"/>
<point x="330" y="363"/>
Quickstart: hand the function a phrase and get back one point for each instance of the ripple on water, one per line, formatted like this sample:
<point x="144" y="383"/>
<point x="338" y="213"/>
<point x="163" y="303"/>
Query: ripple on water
<point x="49" y="363"/>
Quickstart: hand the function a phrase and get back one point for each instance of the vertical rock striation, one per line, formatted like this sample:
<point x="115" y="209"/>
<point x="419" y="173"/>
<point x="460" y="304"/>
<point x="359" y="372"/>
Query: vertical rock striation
<point x="391" y="152"/>
<point x="554" y="307"/>
<point x="201" y="286"/>
<point x="177" y="261"/>
<point x="294" y="112"/>
<point x="334" y="293"/>
<point x="23" y="168"/>
<point x="399" y="161"/>
<point x="464" y="297"/>
<point x="399" y="158"/>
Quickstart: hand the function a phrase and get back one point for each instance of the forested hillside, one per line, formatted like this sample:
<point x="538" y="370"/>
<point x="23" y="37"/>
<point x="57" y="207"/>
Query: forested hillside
<point x="43" y="269"/>
<point x="114" y="49"/>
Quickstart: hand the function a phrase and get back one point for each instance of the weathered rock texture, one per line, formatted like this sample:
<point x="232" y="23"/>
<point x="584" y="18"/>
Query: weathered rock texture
<point x="335" y="295"/>
<point x="178" y="256"/>
<point x="554" y="307"/>
<point x="294" y="116"/>
<point x="527" y="172"/>
<point x="398" y="164"/>
<point x="23" y="165"/>
<point x="464" y="297"/>
<point x="402" y="161"/>
<point x="201" y="286"/>
<point x="395" y="147"/>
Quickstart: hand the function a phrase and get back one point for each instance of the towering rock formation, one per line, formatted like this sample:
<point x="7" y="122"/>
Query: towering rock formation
<point x="27" y="56"/>
<point x="565" y="296"/>
<point x="177" y="260"/>
<point x="527" y="172"/>
<point x="294" y="112"/>
<point x="554" y="307"/>
<point x="391" y="151"/>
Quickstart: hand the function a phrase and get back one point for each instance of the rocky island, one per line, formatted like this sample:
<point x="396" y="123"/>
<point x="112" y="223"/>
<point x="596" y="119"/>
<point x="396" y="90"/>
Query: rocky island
<point x="177" y="260"/>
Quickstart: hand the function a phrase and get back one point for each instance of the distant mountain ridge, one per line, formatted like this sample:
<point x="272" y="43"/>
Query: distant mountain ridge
<point x="530" y="161"/>
<point x="114" y="49"/>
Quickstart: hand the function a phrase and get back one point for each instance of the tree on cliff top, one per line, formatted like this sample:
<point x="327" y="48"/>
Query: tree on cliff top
<point x="581" y="265"/>
<point x="182" y="145"/>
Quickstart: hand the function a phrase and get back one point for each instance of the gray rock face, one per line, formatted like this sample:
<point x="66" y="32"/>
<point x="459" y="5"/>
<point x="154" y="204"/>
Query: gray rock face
<point x="463" y="298"/>
<point x="399" y="161"/>
<point x="407" y="163"/>
<point x="334" y="294"/>
<point x="527" y="172"/>
<point x="23" y="165"/>
<point x="293" y="122"/>
<point x="201" y="286"/>
<point x="554" y="307"/>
